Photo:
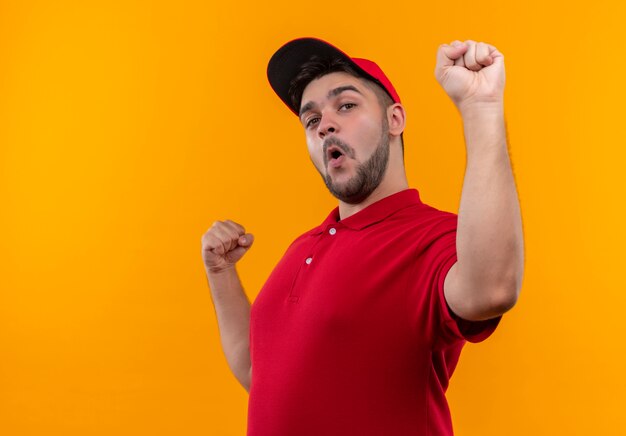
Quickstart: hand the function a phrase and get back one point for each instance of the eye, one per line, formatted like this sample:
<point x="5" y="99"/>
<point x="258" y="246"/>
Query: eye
<point x="347" y="104"/>
<point x="310" y="122"/>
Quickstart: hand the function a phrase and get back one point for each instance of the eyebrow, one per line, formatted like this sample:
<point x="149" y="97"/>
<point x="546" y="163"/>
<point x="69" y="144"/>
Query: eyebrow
<point x="332" y="93"/>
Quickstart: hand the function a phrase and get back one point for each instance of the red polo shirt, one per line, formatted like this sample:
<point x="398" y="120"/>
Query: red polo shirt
<point x="351" y="333"/>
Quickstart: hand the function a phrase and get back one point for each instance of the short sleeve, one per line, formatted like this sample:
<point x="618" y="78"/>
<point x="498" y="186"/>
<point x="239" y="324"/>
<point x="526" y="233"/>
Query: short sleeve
<point x="450" y="328"/>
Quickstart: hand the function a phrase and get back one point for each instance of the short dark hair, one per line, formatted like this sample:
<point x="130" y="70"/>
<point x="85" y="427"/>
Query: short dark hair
<point x="318" y="66"/>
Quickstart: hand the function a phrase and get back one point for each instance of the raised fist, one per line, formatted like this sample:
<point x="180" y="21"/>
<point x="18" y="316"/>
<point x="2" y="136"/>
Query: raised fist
<point x="224" y="244"/>
<point x="471" y="73"/>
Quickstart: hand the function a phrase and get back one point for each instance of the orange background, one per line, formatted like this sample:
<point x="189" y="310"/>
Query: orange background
<point x="127" y="128"/>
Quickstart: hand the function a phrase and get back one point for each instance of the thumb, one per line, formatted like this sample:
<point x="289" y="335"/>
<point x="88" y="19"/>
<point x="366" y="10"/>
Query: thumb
<point x="447" y="54"/>
<point x="246" y="240"/>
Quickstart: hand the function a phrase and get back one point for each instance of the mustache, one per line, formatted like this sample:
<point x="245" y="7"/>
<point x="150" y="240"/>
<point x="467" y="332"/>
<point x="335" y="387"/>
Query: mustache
<point x="345" y="148"/>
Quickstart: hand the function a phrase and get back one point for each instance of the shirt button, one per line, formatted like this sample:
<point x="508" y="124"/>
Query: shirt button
<point x="309" y="260"/>
<point x="332" y="231"/>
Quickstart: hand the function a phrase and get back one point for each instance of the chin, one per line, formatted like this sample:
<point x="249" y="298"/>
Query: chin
<point x="341" y="182"/>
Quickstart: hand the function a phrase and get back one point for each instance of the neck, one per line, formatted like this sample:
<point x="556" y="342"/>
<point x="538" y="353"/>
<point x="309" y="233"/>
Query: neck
<point x="346" y="209"/>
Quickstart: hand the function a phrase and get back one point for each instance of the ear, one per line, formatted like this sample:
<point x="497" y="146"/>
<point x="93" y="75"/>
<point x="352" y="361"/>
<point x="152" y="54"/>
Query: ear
<point x="396" y="117"/>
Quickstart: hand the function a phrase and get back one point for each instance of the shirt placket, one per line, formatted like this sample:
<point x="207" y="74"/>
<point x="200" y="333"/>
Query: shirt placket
<point x="310" y="260"/>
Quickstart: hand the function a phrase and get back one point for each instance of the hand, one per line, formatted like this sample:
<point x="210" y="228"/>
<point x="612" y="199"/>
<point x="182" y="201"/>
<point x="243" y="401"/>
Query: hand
<point x="471" y="73"/>
<point x="224" y="244"/>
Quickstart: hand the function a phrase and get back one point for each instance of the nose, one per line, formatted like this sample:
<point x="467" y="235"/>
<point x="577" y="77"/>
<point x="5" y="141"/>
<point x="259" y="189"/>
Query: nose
<point x="327" y="125"/>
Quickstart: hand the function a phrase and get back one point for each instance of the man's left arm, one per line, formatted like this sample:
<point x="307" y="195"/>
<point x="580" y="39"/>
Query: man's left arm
<point x="486" y="279"/>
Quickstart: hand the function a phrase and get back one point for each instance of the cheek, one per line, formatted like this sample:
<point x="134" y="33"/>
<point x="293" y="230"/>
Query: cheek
<point x="315" y="153"/>
<point x="366" y="136"/>
<point x="370" y="127"/>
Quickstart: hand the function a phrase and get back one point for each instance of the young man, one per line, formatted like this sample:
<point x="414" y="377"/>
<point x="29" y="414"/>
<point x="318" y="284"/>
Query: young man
<point x="360" y="325"/>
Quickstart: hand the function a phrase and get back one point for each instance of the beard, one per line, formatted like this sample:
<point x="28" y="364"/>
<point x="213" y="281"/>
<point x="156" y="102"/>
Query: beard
<point x="368" y="175"/>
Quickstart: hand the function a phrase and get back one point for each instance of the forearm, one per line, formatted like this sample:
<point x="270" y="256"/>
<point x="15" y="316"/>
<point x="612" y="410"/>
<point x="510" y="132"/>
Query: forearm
<point x="232" y="308"/>
<point x="490" y="247"/>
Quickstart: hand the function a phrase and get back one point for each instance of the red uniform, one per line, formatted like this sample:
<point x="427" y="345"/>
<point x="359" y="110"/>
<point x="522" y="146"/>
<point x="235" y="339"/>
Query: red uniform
<point x="351" y="334"/>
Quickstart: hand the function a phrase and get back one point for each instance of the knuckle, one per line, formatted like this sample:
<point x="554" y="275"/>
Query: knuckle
<point x="238" y="227"/>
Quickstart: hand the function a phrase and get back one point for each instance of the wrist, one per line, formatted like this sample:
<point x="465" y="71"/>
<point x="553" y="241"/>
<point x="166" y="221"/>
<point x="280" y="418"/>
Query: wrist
<point x="220" y="271"/>
<point x="471" y="111"/>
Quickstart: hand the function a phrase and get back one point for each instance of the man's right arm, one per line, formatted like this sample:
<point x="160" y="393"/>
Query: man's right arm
<point x="222" y="246"/>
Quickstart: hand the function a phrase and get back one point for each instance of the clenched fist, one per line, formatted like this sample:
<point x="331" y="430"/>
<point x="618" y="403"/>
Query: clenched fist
<point x="224" y="244"/>
<point x="471" y="73"/>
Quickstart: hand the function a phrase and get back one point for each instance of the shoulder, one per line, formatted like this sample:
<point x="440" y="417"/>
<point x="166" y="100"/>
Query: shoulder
<point x="423" y="221"/>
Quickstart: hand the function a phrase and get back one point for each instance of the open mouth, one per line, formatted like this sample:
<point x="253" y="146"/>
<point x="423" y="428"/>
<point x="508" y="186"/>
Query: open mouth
<point x="333" y="153"/>
<point x="334" y="157"/>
